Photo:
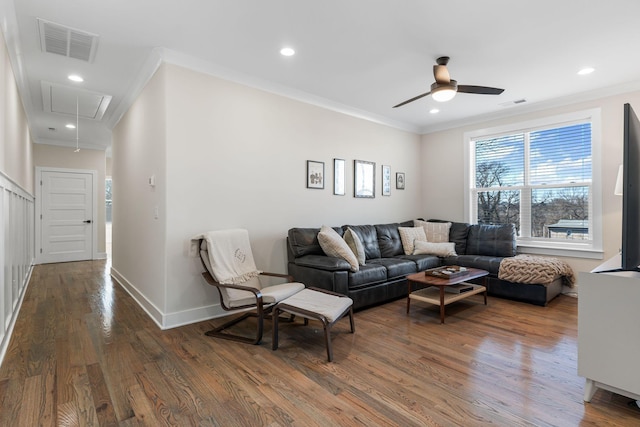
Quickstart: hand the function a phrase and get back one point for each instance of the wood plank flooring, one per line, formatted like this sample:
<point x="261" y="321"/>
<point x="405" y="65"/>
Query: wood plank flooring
<point x="84" y="353"/>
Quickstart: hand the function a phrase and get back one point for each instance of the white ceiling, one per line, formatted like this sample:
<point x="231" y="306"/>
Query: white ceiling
<point x="360" y="57"/>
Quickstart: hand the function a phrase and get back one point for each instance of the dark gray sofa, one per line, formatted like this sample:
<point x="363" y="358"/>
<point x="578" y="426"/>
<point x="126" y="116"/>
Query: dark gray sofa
<point x="383" y="277"/>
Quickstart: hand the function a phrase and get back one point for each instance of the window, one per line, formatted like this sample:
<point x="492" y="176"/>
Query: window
<point x="540" y="177"/>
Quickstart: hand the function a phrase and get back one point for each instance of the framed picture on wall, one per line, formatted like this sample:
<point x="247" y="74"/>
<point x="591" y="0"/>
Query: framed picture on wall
<point x="400" y="180"/>
<point x="364" y="179"/>
<point x="338" y="177"/>
<point x="315" y="174"/>
<point x="386" y="180"/>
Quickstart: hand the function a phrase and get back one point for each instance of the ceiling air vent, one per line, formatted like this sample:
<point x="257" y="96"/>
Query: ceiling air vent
<point x="514" y="102"/>
<point x="66" y="41"/>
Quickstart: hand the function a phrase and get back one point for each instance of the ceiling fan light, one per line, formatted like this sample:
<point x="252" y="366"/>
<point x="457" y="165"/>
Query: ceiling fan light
<point x="443" y="94"/>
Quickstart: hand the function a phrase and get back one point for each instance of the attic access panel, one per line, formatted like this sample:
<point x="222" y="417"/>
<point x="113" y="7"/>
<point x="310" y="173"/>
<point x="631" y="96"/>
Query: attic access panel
<point x="62" y="99"/>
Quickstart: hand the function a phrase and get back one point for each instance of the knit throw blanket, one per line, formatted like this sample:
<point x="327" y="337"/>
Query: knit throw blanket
<point x="534" y="269"/>
<point x="230" y="255"/>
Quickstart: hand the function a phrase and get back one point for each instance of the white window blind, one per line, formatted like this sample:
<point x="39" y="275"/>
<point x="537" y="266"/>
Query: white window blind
<point x="539" y="179"/>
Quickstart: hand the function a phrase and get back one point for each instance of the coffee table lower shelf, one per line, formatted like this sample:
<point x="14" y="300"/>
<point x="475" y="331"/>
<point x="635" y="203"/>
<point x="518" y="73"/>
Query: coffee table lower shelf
<point x="432" y="295"/>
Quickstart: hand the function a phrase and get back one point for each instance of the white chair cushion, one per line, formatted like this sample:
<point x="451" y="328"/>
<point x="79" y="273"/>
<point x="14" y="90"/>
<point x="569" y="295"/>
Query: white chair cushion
<point x="236" y="297"/>
<point x="330" y="306"/>
<point x="270" y="294"/>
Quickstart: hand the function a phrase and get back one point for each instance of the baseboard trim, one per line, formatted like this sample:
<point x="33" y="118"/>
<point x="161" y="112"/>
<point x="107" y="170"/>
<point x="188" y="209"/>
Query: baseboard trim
<point x="153" y="311"/>
<point x="194" y="315"/>
<point x="168" y="320"/>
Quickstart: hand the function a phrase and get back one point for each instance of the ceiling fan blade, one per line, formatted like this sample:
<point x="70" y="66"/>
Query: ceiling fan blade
<point x="480" y="90"/>
<point x="441" y="74"/>
<point x="412" y="99"/>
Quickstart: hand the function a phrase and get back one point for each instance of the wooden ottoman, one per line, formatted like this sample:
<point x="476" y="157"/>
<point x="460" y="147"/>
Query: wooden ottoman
<point x="317" y="304"/>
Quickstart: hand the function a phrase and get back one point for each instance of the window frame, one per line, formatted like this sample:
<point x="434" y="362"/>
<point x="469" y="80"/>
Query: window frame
<point x="578" y="249"/>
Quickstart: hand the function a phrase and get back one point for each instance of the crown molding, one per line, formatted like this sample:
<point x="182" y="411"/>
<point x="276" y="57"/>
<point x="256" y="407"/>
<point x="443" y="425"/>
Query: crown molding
<point x="210" y="68"/>
<point x="535" y="107"/>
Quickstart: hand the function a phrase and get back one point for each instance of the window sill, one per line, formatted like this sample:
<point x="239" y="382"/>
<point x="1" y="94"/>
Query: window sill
<point x="573" y="251"/>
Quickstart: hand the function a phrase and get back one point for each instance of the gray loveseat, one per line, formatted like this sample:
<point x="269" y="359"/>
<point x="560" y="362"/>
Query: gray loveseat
<point x="383" y="276"/>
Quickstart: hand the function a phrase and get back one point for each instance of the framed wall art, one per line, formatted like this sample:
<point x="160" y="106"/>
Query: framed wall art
<point x="364" y="179"/>
<point x="338" y="177"/>
<point x="400" y="180"/>
<point x="386" y="180"/>
<point x="315" y="174"/>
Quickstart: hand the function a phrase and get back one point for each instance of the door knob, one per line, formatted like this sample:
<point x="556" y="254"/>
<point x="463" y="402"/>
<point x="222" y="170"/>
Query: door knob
<point x="87" y="221"/>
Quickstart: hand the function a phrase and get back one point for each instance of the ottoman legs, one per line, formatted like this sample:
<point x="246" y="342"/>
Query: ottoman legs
<point x="299" y="305"/>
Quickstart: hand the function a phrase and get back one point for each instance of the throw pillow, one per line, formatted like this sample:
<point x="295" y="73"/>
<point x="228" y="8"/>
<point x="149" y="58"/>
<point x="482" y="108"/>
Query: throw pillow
<point x="438" y="249"/>
<point x="408" y="235"/>
<point x="436" y="232"/>
<point x="356" y="246"/>
<point x="333" y="245"/>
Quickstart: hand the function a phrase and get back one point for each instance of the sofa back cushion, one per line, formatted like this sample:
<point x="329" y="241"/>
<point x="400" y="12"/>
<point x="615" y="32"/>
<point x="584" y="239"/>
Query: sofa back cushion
<point x="368" y="237"/>
<point x="492" y="240"/>
<point x="304" y="241"/>
<point x="458" y="234"/>
<point x="389" y="240"/>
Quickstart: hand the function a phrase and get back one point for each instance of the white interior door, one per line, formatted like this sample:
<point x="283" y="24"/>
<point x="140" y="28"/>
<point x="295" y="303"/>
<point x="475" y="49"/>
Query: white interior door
<point x="67" y="221"/>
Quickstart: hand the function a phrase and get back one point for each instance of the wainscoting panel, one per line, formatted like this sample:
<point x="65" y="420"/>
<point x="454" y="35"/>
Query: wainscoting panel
<point x="17" y="253"/>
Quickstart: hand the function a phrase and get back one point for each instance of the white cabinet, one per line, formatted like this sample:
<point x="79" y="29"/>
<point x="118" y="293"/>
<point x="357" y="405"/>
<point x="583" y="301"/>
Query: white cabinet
<point x="609" y="332"/>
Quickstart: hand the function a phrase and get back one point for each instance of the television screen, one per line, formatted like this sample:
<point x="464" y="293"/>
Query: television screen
<point x="631" y="192"/>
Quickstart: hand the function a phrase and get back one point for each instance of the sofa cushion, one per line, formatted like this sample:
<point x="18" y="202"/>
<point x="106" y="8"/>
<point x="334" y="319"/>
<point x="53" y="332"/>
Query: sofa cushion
<point x="322" y="262"/>
<point x="483" y="262"/>
<point x="389" y="239"/>
<point x="492" y="240"/>
<point x="443" y="249"/>
<point x="423" y="262"/>
<point x="409" y="235"/>
<point x="367" y="275"/>
<point x="304" y="241"/>
<point x="396" y="267"/>
<point x="368" y="237"/>
<point x="356" y="246"/>
<point x="334" y="246"/>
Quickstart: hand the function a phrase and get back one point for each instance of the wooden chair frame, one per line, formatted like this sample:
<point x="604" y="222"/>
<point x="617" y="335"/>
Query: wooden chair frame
<point x="261" y="312"/>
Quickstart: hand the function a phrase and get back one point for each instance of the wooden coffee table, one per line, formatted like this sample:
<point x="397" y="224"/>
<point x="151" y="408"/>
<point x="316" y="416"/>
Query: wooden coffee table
<point x="436" y="294"/>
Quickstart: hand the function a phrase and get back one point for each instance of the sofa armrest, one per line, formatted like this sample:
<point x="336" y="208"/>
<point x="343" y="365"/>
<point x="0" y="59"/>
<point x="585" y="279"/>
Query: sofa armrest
<point x="322" y="262"/>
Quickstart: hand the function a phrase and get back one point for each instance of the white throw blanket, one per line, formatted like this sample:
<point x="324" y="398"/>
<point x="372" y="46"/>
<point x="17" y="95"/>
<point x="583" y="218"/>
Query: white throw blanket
<point x="229" y="253"/>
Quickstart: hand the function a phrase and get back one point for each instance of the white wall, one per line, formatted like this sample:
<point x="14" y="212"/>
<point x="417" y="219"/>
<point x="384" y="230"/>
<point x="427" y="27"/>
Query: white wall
<point x="16" y="148"/>
<point x="236" y="157"/>
<point x="138" y="239"/>
<point x="443" y="166"/>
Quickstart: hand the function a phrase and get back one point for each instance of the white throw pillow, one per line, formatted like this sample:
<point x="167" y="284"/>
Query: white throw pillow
<point x="333" y="245"/>
<point x="356" y="246"/>
<point x="408" y="235"/>
<point x="436" y="232"/>
<point x="439" y="249"/>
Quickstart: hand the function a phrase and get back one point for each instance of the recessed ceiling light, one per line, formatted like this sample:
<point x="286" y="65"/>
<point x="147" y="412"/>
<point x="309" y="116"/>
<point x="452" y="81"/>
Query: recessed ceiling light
<point x="70" y="126"/>
<point x="586" y="70"/>
<point x="287" y="51"/>
<point x="75" y="78"/>
<point x="434" y="111"/>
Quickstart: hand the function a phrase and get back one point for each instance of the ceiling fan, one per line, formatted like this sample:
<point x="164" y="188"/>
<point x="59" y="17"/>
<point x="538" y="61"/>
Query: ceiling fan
<point x="445" y="88"/>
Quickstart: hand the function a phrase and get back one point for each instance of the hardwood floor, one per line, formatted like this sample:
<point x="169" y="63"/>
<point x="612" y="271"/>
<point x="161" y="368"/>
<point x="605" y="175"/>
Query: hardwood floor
<point x="84" y="353"/>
